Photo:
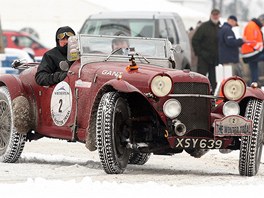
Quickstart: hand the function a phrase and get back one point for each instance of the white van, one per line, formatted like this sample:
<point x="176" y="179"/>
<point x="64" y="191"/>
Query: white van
<point x="143" y="24"/>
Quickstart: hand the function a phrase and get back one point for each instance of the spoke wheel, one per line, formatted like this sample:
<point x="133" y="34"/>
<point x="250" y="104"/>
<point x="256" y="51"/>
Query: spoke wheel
<point x="251" y="146"/>
<point x="112" y="132"/>
<point x="5" y="126"/>
<point x="11" y="143"/>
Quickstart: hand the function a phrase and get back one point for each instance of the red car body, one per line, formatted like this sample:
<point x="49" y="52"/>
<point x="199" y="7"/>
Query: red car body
<point x="120" y="105"/>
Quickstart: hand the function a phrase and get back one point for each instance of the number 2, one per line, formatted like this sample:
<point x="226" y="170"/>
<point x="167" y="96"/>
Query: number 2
<point x="60" y="101"/>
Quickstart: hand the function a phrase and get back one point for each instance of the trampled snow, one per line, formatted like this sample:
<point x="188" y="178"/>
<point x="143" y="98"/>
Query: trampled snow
<point x="54" y="168"/>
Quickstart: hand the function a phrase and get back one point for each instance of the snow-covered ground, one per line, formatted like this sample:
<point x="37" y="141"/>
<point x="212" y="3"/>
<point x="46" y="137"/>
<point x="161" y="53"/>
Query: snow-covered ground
<point x="55" y="168"/>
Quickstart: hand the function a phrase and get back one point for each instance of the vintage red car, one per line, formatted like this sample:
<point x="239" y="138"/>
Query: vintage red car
<point x="129" y="103"/>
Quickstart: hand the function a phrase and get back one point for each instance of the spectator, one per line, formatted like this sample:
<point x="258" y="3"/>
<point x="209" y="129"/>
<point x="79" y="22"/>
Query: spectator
<point x="194" y="59"/>
<point x="205" y="46"/>
<point x="229" y="45"/>
<point x="252" y="49"/>
<point x="49" y="72"/>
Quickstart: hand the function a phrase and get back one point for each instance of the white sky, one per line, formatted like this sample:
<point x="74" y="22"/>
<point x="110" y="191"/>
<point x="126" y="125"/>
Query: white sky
<point x="46" y="16"/>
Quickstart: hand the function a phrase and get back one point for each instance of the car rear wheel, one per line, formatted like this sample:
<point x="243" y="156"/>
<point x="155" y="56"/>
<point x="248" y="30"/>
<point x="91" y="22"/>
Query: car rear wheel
<point x="251" y="146"/>
<point x="11" y="142"/>
<point x="112" y="132"/>
<point x="139" y="158"/>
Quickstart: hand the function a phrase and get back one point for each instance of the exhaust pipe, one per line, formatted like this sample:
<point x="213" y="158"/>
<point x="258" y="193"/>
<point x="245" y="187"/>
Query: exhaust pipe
<point x="179" y="128"/>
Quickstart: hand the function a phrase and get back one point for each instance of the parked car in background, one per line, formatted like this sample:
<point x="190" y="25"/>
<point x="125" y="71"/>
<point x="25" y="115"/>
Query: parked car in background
<point x="143" y="24"/>
<point x="128" y="103"/>
<point x="9" y="56"/>
<point x="23" y="40"/>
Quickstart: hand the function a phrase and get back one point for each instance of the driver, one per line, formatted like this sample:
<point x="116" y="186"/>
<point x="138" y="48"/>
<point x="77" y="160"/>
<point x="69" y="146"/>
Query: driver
<point x="49" y="72"/>
<point x="120" y="45"/>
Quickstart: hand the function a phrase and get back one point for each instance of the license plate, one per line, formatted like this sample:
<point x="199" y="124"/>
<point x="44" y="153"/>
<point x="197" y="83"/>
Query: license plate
<point x="232" y="126"/>
<point x="200" y="143"/>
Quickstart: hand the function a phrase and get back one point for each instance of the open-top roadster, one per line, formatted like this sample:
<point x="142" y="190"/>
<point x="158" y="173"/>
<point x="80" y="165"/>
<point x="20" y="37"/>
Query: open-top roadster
<point x="131" y="104"/>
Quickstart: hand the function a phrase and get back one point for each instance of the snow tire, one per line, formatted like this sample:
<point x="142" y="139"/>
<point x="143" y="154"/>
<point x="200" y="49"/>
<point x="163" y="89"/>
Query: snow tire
<point x="139" y="158"/>
<point x="11" y="142"/>
<point x="112" y="132"/>
<point x="251" y="146"/>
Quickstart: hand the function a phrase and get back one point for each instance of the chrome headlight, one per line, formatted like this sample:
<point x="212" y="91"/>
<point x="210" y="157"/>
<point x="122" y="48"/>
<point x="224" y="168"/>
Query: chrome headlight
<point x="234" y="89"/>
<point x="231" y="108"/>
<point x="172" y="108"/>
<point x="161" y="85"/>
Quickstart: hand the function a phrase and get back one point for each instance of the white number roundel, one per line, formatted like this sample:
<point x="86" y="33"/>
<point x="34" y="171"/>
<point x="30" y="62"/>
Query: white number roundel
<point x="61" y="103"/>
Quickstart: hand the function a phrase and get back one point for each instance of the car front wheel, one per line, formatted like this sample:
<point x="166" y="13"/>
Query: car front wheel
<point x="11" y="142"/>
<point x="251" y="146"/>
<point x="112" y="132"/>
<point x="139" y="158"/>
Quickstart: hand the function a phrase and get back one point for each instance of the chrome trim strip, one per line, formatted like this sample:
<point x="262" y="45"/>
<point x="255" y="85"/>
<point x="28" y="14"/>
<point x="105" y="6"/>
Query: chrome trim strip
<point x="196" y="95"/>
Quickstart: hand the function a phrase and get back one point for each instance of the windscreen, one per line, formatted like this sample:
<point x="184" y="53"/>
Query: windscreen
<point x="117" y="45"/>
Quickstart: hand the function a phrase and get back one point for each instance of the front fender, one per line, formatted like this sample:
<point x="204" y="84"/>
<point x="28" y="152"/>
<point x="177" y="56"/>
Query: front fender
<point x="254" y="92"/>
<point x="123" y="86"/>
<point x="13" y="84"/>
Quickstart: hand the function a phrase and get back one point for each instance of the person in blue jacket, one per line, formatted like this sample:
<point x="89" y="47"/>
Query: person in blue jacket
<point x="229" y="45"/>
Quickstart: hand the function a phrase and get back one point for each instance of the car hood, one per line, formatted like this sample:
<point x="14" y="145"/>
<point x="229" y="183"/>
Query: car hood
<point x="142" y="76"/>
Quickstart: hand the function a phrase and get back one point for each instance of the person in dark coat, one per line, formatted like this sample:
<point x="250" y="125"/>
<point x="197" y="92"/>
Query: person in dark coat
<point x="49" y="72"/>
<point x="229" y="45"/>
<point x="205" y="46"/>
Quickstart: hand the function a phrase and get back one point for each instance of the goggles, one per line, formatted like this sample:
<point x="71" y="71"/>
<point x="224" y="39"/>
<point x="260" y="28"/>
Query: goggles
<point x="62" y="35"/>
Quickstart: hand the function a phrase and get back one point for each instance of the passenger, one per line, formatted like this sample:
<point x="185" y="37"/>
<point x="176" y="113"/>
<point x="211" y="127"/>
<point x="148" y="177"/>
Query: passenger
<point x="49" y="72"/>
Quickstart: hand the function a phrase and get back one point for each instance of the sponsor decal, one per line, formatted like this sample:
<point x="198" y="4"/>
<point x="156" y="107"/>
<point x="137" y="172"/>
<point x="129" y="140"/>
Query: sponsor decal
<point x="111" y="73"/>
<point x="61" y="103"/>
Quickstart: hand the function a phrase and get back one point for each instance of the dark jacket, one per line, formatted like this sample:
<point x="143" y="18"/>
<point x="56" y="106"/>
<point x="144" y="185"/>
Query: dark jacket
<point x="228" y="45"/>
<point x="49" y="72"/>
<point x="205" y="42"/>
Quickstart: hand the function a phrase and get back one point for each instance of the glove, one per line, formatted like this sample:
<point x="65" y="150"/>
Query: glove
<point x="59" y="76"/>
<point x="65" y="65"/>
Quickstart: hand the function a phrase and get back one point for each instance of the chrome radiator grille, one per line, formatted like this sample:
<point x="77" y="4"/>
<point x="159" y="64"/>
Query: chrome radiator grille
<point x="195" y="110"/>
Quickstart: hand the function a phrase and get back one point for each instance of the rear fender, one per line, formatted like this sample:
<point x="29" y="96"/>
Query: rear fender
<point x="21" y="108"/>
<point x="13" y="84"/>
